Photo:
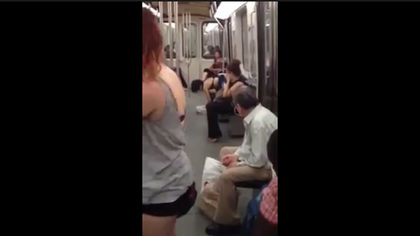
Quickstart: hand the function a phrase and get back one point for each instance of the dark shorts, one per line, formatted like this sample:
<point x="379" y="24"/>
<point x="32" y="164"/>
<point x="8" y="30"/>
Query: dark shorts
<point x="210" y="74"/>
<point x="178" y="208"/>
<point x="222" y="80"/>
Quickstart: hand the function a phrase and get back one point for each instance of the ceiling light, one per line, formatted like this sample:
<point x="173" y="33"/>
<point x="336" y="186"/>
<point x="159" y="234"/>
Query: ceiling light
<point x="226" y="9"/>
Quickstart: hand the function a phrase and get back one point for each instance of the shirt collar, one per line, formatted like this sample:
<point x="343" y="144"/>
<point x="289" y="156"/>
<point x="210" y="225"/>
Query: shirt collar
<point x="252" y="114"/>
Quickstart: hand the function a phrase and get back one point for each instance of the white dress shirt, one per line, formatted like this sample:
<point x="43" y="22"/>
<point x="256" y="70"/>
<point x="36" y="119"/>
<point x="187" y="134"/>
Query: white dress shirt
<point x="259" y="125"/>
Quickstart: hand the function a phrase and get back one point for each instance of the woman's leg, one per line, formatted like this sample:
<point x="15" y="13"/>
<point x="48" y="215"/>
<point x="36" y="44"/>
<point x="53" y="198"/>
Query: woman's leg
<point x="204" y="76"/>
<point x="213" y="109"/>
<point x="216" y="83"/>
<point x="212" y="123"/>
<point x="158" y="226"/>
<point x="206" y="86"/>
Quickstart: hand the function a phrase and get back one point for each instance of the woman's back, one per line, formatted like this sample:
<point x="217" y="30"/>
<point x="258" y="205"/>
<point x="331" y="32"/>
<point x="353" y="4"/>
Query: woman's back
<point x="166" y="168"/>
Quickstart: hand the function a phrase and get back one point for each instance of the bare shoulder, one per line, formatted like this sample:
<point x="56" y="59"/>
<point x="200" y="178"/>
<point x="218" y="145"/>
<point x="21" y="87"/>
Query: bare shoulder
<point x="168" y="72"/>
<point x="153" y="99"/>
<point x="236" y="86"/>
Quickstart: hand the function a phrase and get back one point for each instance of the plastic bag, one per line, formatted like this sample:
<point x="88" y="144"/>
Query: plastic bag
<point x="212" y="170"/>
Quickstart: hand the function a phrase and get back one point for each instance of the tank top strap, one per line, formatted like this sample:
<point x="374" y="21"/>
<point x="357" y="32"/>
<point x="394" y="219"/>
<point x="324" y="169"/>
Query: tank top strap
<point x="170" y="96"/>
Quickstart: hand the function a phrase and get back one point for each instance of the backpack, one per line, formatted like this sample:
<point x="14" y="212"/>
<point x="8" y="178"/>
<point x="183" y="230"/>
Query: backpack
<point x="252" y="212"/>
<point x="196" y="85"/>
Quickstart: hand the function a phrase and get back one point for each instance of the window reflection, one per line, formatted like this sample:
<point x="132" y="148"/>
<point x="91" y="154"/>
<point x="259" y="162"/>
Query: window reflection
<point x="212" y="36"/>
<point x="190" y="38"/>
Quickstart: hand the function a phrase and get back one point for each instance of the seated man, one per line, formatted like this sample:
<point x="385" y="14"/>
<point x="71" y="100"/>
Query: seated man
<point x="266" y="223"/>
<point x="246" y="163"/>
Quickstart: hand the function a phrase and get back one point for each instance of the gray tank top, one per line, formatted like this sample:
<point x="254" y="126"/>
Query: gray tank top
<point x="167" y="171"/>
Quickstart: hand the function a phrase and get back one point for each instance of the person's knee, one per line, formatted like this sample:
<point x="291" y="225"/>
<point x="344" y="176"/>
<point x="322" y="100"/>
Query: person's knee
<point x="153" y="225"/>
<point x="210" y="106"/>
<point x="226" y="177"/>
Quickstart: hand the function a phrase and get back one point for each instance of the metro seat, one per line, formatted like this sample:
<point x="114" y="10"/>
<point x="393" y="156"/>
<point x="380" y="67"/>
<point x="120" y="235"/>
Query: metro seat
<point x="255" y="184"/>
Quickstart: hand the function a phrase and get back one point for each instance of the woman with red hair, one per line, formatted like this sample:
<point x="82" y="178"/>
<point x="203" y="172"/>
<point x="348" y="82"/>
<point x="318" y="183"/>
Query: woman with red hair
<point x="168" y="189"/>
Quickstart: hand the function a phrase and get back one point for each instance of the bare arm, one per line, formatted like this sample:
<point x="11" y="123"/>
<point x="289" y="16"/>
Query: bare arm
<point x="174" y="83"/>
<point x="227" y="92"/>
<point x="152" y="98"/>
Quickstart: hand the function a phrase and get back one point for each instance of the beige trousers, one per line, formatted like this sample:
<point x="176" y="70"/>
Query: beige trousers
<point x="219" y="200"/>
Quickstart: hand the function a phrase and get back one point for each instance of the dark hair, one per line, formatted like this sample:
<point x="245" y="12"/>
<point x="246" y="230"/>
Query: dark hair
<point x="152" y="44"/>
<point x="196" y="85"/>
<point x="246" y="98"/>
<point x="217" y="51"/>
<point x="234" y="67"/>
<point x="272" y="146"/>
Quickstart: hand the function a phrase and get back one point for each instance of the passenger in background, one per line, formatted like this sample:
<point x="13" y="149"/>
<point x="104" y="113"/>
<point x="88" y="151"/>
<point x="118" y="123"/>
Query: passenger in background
<point x="215" y="68"/>
<point x="168" y="189"/>
<point x="209" y="53"/>
<point x="223" y="104"/>
<point x="210" y="79"/>
<point x="248" y="162"/>
<point x="267" y="221"/>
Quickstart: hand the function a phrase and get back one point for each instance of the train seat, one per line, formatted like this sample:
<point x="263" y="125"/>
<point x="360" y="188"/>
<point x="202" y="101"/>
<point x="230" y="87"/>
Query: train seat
<point x="255" y="184"/>
<point x="236" y="127"/>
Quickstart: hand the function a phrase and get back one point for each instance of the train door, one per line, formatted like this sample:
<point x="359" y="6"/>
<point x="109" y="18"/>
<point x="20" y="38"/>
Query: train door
<point x="212" y="40"/>
<point x="244" y="44"/>
<point x="267" y="56"/>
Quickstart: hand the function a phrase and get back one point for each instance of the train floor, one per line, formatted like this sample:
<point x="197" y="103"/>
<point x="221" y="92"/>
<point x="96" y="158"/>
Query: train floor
<point x="197" y="149"/>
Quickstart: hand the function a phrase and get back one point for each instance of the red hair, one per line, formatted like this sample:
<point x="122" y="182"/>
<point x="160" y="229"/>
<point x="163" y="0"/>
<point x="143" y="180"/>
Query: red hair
<point x="152" y="45"/>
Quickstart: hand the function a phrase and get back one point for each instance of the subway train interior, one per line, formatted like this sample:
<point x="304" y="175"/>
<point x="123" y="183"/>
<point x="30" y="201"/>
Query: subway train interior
<point x="192" y="31"/>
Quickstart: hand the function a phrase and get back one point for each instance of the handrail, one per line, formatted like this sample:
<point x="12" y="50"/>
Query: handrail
<point x="170" y="32"/>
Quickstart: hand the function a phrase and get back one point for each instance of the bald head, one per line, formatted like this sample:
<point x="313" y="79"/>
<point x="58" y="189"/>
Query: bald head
<point x="245" y="96"/>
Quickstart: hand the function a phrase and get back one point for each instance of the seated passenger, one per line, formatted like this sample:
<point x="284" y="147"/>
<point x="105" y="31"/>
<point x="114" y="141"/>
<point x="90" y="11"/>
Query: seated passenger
<point x="267" y="221"/>
<point x="223" y="104"/>
<point x="215" y="68"/>
<point x="248" y="162"/>
<point x="210" y="78"/>
<point x="209" y="53"/>
<point x="210" y="87"/>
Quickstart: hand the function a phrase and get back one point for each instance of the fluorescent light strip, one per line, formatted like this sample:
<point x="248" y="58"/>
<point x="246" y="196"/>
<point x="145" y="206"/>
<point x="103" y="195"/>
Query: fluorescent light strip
<point x="172" y="24"/>
<point x="155" y="12"/>
<point x="226" y="9"/>
<point x="210" y="27"/>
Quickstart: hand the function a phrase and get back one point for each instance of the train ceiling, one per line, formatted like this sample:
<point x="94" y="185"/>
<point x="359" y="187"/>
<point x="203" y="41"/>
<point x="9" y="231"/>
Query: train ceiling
<point x="197" y="8"/>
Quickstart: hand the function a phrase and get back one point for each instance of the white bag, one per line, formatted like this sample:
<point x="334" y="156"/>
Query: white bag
<point x="212" y="170"/>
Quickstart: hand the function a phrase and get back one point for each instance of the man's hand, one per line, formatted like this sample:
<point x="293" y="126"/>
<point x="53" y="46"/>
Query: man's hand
<point x="229" y="158"/>
<point x="232" y="164"/>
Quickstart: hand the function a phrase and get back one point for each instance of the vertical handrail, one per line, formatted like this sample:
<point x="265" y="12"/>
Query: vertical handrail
<point x="170" y="31"/>
<point x="161" y="16"/>
<point x="189" y="47"/>
<point x="225" y="42"/>
<point x="176" y="39"/>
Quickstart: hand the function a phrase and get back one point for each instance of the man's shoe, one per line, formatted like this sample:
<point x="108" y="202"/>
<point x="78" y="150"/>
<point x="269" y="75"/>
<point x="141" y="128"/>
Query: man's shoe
<point x="217" y="229"/>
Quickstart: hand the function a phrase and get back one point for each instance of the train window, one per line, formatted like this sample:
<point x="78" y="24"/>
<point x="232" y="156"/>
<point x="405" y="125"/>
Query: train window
<point x="212" y="36"/>
<point x="165" y="34"/>
<point x="193" y="40"/>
